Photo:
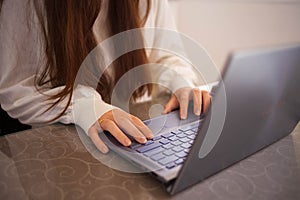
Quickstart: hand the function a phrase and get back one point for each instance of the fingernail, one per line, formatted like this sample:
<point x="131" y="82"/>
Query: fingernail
<point x="144" y="140"/>
<point x="127" y="142"/>
<point x="197" y="112"/>
<point x="151" y="136"/>
<point x="182" y="115"/>
<point x="104" y="150"/>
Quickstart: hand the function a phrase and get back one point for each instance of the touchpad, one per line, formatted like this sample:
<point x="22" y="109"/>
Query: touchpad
<point x="170" y="120"/>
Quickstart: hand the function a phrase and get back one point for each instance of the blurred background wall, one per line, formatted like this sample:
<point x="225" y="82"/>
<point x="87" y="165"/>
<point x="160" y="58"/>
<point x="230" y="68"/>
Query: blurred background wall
<point x="225" y="25"/>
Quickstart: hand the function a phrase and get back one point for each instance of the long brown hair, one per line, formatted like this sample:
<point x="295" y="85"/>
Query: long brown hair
<point x="67" y="27"/>
<point x="1" y="2"/>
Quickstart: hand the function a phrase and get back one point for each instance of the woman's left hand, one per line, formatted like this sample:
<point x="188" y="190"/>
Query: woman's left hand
<point x="182" y="97"/>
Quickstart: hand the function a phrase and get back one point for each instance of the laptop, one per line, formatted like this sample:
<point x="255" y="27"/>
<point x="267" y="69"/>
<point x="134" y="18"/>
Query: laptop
<point x="256" y="103"/>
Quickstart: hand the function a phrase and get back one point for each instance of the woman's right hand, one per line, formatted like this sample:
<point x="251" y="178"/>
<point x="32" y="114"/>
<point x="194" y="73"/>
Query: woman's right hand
<point x="116" y="121"/>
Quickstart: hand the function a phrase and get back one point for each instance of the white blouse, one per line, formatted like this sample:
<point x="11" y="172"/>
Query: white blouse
<point x="21" y="56"/>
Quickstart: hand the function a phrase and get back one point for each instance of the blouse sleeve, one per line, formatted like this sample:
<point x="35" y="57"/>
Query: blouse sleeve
<point x="177" y="72"/>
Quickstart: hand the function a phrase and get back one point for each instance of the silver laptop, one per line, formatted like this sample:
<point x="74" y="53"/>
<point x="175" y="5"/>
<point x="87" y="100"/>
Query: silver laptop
<point x="256" y="103"/>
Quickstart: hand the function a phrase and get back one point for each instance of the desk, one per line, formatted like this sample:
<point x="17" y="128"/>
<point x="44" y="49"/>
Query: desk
<point x="51" y="162"/>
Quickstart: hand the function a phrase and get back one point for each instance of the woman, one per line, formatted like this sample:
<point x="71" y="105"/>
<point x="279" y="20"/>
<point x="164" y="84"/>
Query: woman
<point x="43" y="44"/>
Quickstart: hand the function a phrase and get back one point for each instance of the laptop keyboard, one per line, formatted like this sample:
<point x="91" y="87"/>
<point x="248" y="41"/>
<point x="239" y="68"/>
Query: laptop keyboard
<point x="169" y="149"/>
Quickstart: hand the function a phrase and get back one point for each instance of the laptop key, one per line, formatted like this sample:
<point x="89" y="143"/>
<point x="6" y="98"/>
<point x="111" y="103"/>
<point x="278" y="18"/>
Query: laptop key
<point x="179" y="161"/>
<point x="185" y="140"/>
<point x="186" y="145"/>
<point x="164" y="141"/>
<point x="191" y="137"/>
<point x="168" y="146"/>
<point x="149" y="147"/>
<point x="170" y="165"/>
<point x="157" y="138"/>
<point x="195" y="130"/>
<point x="154" y="151"/>
<point x="176" y="143"/>
<point x="176" y="132"/>
<point x="167" y="135"/>
<point x="189" y="132"/>
<point x="173" y="138"/>
<point x="181" y="154"/>
<point x="168" y="159"/>
<point x="177" y="149"/>
<point x="186" y="150"/>
<point x="168" y="152"/>
<point x="149" y="142"/>
<point x="181" y="135"/>
<point x="158" y="156"/>
<point x="135" y="145"/>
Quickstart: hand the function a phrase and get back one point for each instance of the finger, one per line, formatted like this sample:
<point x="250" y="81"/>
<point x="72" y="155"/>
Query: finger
<point x="206" y="100"/>
<point x="131" y="129"/>
<point x="197" y="97"/>
<point x="171" y="105"/>
<point x="111" y="126"/>
<point x="142" y="127"/>
<point x="183" y="104"/>
<point x="93" y="133"/>
<point x="122" y="119"/>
